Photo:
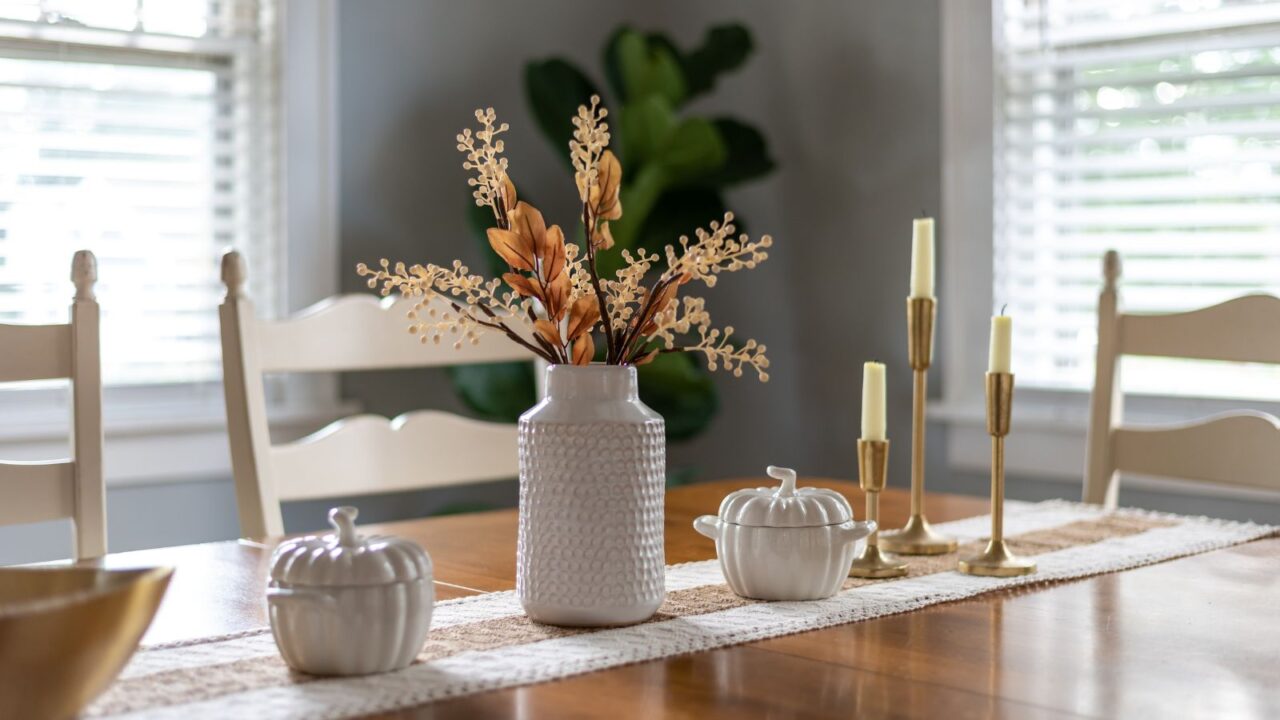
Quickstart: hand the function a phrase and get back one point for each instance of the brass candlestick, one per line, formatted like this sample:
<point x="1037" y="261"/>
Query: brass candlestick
<point x="873" y="465"/>
<point x="917" y="537"/>
<point x="997" y="560"/>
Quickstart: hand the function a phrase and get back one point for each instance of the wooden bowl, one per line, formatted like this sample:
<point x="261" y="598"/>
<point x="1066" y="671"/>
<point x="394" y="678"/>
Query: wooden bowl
<point x="66" y="632"/>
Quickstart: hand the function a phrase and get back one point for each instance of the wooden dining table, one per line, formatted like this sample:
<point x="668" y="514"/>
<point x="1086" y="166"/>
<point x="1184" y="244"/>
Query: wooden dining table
<point x="1193" y="637"/>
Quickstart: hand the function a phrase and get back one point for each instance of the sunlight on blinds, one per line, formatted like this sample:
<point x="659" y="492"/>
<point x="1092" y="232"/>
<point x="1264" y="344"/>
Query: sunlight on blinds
<point x="142" y="157"/>
<point x="1151" y="127"/>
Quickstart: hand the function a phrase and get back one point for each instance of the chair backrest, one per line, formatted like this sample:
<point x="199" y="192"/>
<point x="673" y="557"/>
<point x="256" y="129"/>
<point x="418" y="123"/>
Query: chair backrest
<point x="362" y="454"/>
<point x="52" y="490"/>
<point x="1236" y="448"/>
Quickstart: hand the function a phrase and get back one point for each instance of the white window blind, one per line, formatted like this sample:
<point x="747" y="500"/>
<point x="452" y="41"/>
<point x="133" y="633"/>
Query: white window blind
<point x="1151" y="127"/>
<point x="142" y="130"/>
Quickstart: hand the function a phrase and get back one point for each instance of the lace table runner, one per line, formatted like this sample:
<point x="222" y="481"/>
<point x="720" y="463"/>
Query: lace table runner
<point x="484" y="642"/>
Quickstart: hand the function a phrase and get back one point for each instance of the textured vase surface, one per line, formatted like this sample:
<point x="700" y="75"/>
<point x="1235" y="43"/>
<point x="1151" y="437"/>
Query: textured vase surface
<point x="592" y="481"/>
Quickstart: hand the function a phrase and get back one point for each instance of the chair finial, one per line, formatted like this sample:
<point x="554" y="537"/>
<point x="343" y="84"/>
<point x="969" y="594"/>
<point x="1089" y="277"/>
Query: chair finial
<point x="1111" y="268"/>
<point x="233" y="273"/>
<point x="84" y="273"/>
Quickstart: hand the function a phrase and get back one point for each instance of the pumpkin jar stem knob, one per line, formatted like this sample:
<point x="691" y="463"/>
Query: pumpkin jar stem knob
<point x="343" y="519"/>
<point x="788" y="478"/>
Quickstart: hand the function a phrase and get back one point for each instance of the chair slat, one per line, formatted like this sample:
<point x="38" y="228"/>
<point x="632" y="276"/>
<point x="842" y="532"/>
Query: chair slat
<point x="361" y="332"/>
<point x="35" y="352"/>
<point x="36" y="491"/>
<point x="1237" y="448"/>
<point x="1246" y="329"/>
<point x="371" y="454"/>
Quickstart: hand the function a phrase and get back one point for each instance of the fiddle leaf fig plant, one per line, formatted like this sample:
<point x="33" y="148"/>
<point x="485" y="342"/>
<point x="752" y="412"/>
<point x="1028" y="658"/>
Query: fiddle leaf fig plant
<point x="678" y="166"/>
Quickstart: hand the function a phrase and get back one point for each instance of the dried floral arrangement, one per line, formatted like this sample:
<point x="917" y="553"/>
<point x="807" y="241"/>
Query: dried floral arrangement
<point x="554" y="301"/>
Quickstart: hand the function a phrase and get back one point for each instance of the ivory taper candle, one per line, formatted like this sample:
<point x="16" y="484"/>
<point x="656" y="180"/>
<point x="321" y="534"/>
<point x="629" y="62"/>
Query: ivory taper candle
<point x="873" y="414"/>
<point x="1000" y="359"/>
<point x="922" y="257"/>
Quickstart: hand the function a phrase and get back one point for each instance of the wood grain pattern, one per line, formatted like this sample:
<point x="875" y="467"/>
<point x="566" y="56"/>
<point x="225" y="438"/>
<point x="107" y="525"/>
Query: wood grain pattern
<point x="1195" y="637"/>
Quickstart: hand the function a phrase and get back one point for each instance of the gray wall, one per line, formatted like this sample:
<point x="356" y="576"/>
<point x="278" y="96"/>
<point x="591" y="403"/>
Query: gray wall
<point x="848" y="94"/>
<point x="854" y="128"/>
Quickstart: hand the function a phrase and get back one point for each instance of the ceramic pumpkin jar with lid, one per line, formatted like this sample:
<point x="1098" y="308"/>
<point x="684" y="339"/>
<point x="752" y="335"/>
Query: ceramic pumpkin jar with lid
<point x="345" y="604"/>
<point x="785" y="543"/>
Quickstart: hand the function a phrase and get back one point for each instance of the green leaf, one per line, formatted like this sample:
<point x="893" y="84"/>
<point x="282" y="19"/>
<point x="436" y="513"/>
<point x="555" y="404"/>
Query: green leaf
<point x="679" y="476"/>
<point x="679" y="212"/>
<point x="645" y="126"/>
<point x="554" y="90"/>
<point x="500" y="392"/>
<point x="613" y="63"/>
<point x="677" y="387"/>
<point x="692" y="150"/>
<point x="724" y="48"/>
<point x="464" y="508"/>
<point x="638" y="198"/>
<point x="747" y="156"/>
<point x="479" y="220"/>
<point x="638" y="67"/>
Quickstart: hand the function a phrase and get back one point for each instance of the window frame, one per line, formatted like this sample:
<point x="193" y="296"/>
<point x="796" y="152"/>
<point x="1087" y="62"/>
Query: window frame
<point x="177" y="432"/>
<point x="1052" y="423"/>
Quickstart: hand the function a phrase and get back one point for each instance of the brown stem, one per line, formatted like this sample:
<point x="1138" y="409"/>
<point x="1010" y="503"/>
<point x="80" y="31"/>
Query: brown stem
<point x="633" y="335"/>
<point x="498" y="325"/>
<point x="588" y="227"/>
<point x="557" y="354"/>
<point x="640" y="351"/>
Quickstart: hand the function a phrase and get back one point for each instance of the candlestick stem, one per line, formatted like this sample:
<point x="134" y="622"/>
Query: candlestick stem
<point x="917" y="537"/>
<point x="919" y="391"/>
<point x="997" y="488"/>
<point x="873" y="464"/>
<point x="997" y="560"/>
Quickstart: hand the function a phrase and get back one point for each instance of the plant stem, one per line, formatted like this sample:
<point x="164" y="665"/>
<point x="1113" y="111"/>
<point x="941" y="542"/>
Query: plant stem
<point x="588" y="227"/>
<point x="498" y="325"/>
<point x="633" y="334"/>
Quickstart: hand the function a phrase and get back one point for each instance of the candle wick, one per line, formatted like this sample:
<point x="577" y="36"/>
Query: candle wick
<point x="1002" y="307"/>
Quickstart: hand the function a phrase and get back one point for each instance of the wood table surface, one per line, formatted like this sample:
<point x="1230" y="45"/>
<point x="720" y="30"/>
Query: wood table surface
<point x="1193" y="637"/>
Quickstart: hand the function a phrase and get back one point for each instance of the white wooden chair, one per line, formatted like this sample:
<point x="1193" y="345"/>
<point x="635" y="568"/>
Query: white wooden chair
<point x="1235" y="448"/>
<point x="52" y="490"/>
<point x="362" y="454"/>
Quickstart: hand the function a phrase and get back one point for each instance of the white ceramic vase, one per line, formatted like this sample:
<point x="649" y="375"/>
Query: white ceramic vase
<point x="592" y="484"/>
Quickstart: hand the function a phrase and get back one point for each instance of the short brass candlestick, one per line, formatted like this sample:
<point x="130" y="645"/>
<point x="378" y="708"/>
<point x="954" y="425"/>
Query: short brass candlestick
<point x="917" y="537"/>
<point x="873" y="465"/>
<point x="997" y="560"/>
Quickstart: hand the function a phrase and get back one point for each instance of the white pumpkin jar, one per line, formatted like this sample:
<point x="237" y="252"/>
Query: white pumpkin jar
<point x="343" y="604"/>
<point x="785" y="543"/>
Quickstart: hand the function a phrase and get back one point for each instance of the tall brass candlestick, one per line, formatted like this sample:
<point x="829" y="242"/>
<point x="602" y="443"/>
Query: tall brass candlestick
<point x="997" y="560"/>
<point x="873" y="465"/>
<point x="917" y="537"/>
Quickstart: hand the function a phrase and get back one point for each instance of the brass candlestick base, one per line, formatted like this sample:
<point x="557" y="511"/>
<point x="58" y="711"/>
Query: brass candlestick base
<point x="917" y="537"/>
<point x="873" y="466"/>
<point x="997" y="560"/>
<point x="874" y="564"/>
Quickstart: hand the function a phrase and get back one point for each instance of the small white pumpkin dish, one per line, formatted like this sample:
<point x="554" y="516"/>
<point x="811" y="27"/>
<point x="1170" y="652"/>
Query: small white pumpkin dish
<point x="785" y="543"/>
<point x="343" y="604"/>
